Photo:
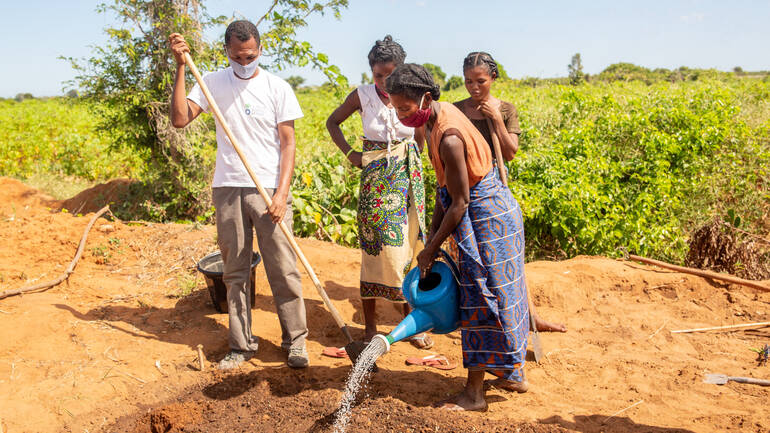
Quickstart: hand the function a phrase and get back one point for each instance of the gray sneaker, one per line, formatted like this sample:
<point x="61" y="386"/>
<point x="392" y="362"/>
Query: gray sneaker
<point x="234" y="359"/>
<point x="298" y="357"/>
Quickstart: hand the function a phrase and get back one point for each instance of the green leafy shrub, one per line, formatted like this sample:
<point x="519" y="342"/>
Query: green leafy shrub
<point x="638" y="169"/>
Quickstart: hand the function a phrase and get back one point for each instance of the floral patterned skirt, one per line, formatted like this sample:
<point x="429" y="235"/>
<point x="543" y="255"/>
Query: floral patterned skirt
<point x="391" y="215"/>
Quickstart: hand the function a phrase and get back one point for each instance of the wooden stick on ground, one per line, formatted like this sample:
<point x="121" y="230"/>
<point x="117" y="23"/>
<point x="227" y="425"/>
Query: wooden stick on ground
<point x="201" y="358"/>
<point x="700" y="273"/>
<point x="717" y="328"/>
<point x="621" y="411"/>
<point x="70" y="269"/>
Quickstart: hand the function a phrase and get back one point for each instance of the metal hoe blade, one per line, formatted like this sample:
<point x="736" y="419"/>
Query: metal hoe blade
<point x="537" y="345"/>
<point x="354" y="349"/>
<point x="719" y="379"/>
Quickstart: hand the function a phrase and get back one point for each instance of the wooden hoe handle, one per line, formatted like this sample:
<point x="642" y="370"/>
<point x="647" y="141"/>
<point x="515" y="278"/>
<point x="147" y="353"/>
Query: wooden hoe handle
<point x="498" y="153"/>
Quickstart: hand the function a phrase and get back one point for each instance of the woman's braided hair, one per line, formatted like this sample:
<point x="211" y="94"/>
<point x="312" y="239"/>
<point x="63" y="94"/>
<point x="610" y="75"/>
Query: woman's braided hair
<point x="480" y="58"/>
<point x="385" y="51"/>
<point x="412" y="80"/>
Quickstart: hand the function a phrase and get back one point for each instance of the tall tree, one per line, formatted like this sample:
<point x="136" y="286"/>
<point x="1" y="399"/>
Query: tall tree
<point x="132" y="77"/>
<point x="439" y="76"/>
<point x="575" y="69"/>
<point x="283" y="18"/>
<point x="454" y="82"/>
<point x="295" y="81"/>
<point x="502" y="74"/>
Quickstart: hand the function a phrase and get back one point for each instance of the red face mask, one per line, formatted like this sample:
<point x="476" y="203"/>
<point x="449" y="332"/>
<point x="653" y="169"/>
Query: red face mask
<point x="418" y="118"/>
<point x="381" y="92"/>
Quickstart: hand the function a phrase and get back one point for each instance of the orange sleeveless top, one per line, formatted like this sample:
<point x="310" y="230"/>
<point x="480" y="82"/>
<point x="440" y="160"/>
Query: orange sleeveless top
<point x="478" y="157"/>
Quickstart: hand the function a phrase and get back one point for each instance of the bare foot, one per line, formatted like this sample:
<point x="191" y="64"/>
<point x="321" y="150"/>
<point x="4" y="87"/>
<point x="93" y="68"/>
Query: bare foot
<point x="544" y="326"/>
<point x="421" y="341"/>
<point x="507" y="385"/>
<point x="463" y="401"/>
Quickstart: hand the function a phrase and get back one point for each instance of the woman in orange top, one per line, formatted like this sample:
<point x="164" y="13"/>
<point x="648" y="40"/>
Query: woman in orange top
<point x="480" y="71"/>
<point x="479" y="212"/>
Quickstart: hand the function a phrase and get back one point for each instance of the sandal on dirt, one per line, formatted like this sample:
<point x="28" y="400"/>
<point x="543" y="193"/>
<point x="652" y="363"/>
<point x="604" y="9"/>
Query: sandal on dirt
<point x="421" y="341"/>
<point x="435" y="361"/>
<point x="335" y="352"/>
<point x="457" y="408"/>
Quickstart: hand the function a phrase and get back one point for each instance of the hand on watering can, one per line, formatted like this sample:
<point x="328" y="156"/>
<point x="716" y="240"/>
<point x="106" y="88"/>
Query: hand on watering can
<point x="425" y="261"/>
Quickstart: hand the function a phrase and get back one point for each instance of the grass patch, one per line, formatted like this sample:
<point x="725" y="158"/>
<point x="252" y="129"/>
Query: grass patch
<point x="57" y="186"/>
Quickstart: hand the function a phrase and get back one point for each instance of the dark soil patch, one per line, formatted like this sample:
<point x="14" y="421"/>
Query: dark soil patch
<point x="288" y="401"/>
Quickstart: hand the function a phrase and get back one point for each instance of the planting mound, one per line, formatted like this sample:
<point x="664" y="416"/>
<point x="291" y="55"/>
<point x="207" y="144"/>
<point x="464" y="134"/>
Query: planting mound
<point x="15" y="195"/>
<point x="96" y="197"/>
<point x="114" y="348"/>
<point x="283" y="403"/>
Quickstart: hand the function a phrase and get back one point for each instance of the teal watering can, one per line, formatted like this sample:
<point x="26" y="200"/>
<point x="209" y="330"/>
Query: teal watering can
<point x="434" y="302"/>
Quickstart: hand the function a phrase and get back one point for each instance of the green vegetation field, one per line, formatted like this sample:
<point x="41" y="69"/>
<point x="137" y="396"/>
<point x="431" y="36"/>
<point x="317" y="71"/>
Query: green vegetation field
<point x="602" y="165"/>
<point x="54" y="143"/>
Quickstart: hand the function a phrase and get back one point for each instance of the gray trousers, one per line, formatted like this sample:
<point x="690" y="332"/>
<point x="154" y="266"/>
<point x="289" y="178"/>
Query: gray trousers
<point x="237" y="211"/>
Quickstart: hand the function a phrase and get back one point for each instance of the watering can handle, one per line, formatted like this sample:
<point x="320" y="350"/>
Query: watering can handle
<point x="452" y="267"/>
<point x="451" y="263"/>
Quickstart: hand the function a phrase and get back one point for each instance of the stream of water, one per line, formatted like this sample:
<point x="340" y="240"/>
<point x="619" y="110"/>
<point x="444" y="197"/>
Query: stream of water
<point x="357" y="379"/>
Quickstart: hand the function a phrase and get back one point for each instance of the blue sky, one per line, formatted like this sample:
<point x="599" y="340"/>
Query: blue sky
<point x="529" y="38"/>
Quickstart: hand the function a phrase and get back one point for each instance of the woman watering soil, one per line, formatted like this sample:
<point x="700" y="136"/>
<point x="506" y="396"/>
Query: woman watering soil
<point x="391" y="207"/>
<point x="480" y="71"/>
<point x="479" y="212"/>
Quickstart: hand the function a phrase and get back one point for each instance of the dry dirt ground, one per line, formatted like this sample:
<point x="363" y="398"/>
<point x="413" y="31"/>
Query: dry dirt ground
<point x="113" y="349"/>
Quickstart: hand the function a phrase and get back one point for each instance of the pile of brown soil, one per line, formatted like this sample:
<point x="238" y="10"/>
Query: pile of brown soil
<point x="96" y="197"/>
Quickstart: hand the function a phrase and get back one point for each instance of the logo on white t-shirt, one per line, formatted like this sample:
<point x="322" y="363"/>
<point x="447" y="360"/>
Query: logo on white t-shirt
<point x="253" y="110"/>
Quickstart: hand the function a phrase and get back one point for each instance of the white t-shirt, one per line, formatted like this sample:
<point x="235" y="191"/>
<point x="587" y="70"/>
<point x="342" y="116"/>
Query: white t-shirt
<point x="252" y="109"/>
<point x="380" y="122"/>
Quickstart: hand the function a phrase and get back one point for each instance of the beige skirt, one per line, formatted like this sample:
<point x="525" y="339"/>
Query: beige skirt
<point x="391" y="215"/>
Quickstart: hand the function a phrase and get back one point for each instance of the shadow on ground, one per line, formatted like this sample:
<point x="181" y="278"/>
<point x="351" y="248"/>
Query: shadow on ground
<point x="601" y="424"/>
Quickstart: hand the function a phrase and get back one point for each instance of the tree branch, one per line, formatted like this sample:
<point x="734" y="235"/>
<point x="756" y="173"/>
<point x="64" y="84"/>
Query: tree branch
<point x="275" y="3"/>
<point x="70" y="269"/>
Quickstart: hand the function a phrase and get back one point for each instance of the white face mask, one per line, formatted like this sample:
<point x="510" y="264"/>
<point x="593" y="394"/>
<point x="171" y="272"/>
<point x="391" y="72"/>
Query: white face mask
<point x="241" y="71"/>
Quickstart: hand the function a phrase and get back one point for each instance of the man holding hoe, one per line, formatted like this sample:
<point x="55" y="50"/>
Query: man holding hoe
<point x="260" y="108"/>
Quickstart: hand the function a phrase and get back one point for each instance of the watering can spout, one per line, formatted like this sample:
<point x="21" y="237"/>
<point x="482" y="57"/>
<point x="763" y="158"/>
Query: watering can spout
<point x="386" y="341"/>
<point x="434" y="302"/>
<point x="417" y="322"/>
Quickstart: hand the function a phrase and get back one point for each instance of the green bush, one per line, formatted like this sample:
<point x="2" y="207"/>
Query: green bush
<point x="639" y="170"/>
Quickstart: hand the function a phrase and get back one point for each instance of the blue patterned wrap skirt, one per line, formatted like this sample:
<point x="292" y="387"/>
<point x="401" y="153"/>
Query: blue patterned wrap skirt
<point x="494" y="311"/>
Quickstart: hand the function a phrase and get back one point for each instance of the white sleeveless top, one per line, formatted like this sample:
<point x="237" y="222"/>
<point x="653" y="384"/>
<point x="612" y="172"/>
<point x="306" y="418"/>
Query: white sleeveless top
<point x="380" y="122"/>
